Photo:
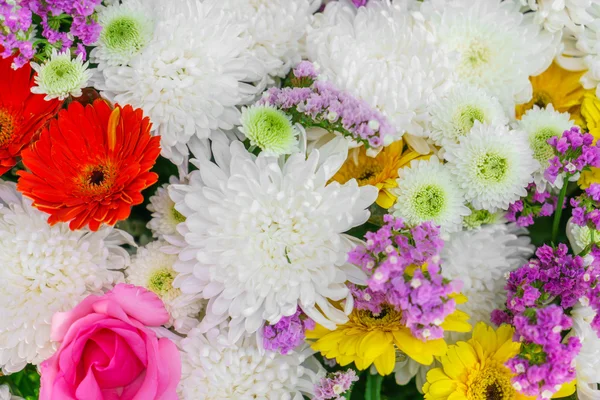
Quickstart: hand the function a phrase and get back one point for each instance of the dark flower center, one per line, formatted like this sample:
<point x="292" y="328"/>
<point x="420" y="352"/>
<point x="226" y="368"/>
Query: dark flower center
<point x="494" y="392"/>
<point x="97" y="177"/>
<point x="6" y="127"/>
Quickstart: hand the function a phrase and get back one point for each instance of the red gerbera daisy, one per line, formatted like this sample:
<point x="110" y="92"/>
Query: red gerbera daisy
<point x="22" y="113"/>
<point x="90" y="165"/>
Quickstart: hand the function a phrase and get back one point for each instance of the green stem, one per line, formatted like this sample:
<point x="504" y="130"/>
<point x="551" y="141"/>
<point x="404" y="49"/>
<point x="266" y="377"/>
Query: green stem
<point x="373" y="391"/>
<point x="559" y="208"/>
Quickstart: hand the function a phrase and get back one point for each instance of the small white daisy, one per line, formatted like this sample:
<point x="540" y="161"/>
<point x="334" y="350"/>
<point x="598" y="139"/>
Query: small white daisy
<point x="492" y="165"/>
<point x="540" y="124"/>
<point x="427" y="192"/>
<point x="165" y="217"/>
<point x="126" y="29"/>
<point x="455" y="113"/>
<point x="61" y="76"/>
<point x="270" y="129"/>
<point x="152" y="269"/>
<point x="214" y="369"/>
<point x="580" y="237"/>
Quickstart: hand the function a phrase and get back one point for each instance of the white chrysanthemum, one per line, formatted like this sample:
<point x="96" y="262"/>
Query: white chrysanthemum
<point x="126" y="29"/>
<point x="165" y="217"/>
<point x="588" y="360"/>
<point x="492" y="165"/>
<point x="212" y="369"/>
<point x="277" y="29"/>
<point x="582" y="52"/>
<point x="478" y="218"/>
<point x="262" y="238"/>
<point x="540" y="124"/>
<point x="454" y="114"/>
<point x="270" y="129"/>
<point x="153" y="269"/>
<point x="497" y="46"/>
<point x="190" y="77"/>
<point x="380" y="54"/>
<point x="60" y="76"/>
<point x="46" y="269"/>
<point x="480" y="258"/>
<point x="580" y="237"/>
<point x="558" y="14"/>
<point x="427" y="192"/>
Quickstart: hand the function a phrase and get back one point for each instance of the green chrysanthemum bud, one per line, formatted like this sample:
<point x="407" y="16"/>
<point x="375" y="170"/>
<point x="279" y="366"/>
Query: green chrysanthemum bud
<point x="61" y="76"/>
<point x="270" y="129"/>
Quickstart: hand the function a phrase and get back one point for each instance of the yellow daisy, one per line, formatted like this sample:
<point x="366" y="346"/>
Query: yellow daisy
<point x="380" y="171"/>
<point x="558" y="87"/>
<point x="590" y="111"/>
<point x="377" y="339"/>
<point x="475" y="370"/>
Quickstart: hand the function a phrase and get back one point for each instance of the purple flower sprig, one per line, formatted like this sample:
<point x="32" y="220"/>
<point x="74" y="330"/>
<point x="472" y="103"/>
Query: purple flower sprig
<point x="288" y="333"/>
<point x="586" y="210"/>
<point x="334" y="385"/>
<point x="574" y="152"/>
<point x="535" y="204"/>
<point x="313" y="102"/>
<point x="403" y="269"/>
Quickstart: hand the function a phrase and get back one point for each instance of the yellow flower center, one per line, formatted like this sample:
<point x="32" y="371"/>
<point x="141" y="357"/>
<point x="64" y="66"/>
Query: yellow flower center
<point x="491" y="383"/>
<point x="388" y="320"/>
<point x="7" y="127"/>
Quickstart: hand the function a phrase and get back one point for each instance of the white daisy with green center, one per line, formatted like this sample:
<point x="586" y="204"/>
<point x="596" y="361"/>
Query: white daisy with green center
<point x="61" y="76"/>
<point x="152" y="269"/>
<point x="492" y="165"/>
<point x="126" y="29"/>
<point x="269" y="129"/>
<point x="454" y="115"/>
<point x="427" y="192"/>
<point x="540" y="124"/>
<point x="482" y="217"/>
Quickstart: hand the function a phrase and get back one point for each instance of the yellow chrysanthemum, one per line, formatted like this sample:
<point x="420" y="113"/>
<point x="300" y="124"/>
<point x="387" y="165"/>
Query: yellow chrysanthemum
<point x="380" y="171"/>
<point x="377" y="339"/>
<point x="558" y="87"/>
<point x="475" y="370"/>
<point x="590" y="111"/>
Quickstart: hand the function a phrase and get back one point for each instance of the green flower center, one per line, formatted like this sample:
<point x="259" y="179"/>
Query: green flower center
<point x="428" y="202"/>
<point x="491" y="167"/>
<point x="476" y="54"/>
<point x="542" y="151"/>
<point x="466" y="117"/>
<point x="60" y="75"/>
<point x="123" y="34"/>
<point x="270" y="129"/>
<point x="478" y="218"/>
<point x="161" y="281"/>
<point x="177" y="216"/>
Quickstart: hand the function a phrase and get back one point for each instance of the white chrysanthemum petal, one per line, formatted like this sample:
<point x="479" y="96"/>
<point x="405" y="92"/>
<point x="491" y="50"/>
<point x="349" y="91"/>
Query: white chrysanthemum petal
<point x="480" y="259"/>
<point x="212" y="369"/>
<point x="540" y="124"/>
<point x="190" y="77"/>
<point x="492" y="165"/>
<point x="455" y="113"/>
<point x="588" y="360"/>
<point x="165" y="217"/>
<point x="382" y="55"/>
<point x="498" y="47"/>
<point x="46" y="269"/>
<point x="556" y="15"/>
<point x="60" y="76"/>
<point x="580" y="237"/>
<point x="152" y="269"/>
<point x="262" y="238"/>
<point x="427" y="192"/>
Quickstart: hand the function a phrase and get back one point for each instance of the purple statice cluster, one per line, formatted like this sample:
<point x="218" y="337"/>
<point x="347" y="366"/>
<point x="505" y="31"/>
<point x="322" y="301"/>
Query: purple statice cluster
<point x="403" y="269"/>
<point x="64" y="25"/>
<point x="288" y="333"/>
<point x="574" y="152"/>
<point x="544" y="363"/>
<point x="314" y="102"/>
<point x="585" y="207"/>
<point x="535" y="204"/>
<point x="540" y="295"/>
<point x="334" y="385"/>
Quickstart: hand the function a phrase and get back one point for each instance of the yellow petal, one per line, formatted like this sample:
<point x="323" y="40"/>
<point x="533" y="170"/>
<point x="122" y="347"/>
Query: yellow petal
<point x="386" y="362"/>
<point x="421" y="352"/>
<point x="113" y="123"/>
<point x="372" y="345"/>
<point x="442" y="388"/>
<point x="457" y="322"/>
<point x="565" y="390"/>
<point x="385" y="199"/>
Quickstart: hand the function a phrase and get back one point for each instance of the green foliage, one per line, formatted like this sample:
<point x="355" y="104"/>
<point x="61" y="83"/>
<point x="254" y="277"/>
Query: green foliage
<point x="25" y="383"/>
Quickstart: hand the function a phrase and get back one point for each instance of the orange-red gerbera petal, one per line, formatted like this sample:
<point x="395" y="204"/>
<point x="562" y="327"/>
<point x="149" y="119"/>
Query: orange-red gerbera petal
<point x="90" y="165"/>
<point x="22" y="113"/>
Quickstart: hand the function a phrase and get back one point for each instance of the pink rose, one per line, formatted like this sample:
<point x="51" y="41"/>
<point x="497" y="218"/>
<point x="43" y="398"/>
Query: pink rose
<point x="107" y="351"/>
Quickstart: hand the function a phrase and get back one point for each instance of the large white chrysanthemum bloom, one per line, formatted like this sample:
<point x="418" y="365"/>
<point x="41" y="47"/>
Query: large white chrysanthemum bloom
<point x="427" y="192"/>
<point x="165" y="217"/>
<point x="492" y="165"/>
<point x="212" y="369"/>
<point x="190" y="77"/>
<point x="556" y="15"/>
<point x="152" y="269"/>
<point x="540" y="124"/>
<point x="480" y="258"/>
<point x="46" y="269"/>
<point x="489" y="36"/>
<point x="454" y="114"/>
<point x="588" y="360"/>
<point x="262" y="238"/>
<point x="277" y="29"/>
<point x="380" y="54"/>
